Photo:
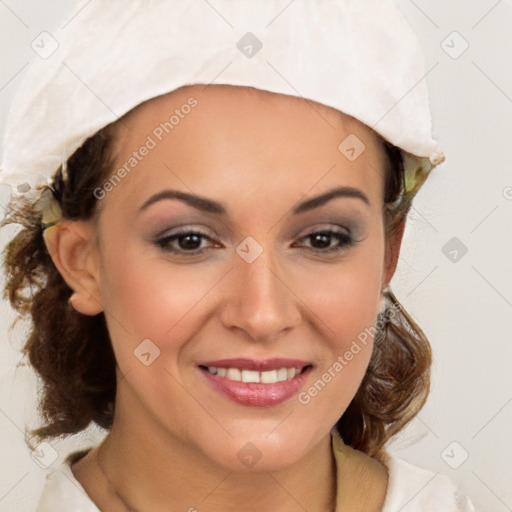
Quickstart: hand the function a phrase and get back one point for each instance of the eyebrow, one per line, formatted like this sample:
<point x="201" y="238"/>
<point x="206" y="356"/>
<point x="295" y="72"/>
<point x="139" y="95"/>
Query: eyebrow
<point x="211" y="206"/>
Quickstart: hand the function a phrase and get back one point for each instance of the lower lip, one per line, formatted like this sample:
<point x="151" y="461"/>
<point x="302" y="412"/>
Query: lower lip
<point x="254" y="393"/>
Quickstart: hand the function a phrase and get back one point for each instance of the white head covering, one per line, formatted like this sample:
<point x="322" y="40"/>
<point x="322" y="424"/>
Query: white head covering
<point x="358" y="56"/>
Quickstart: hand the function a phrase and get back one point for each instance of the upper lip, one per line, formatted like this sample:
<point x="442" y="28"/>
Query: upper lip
<point x="257" y="365"/>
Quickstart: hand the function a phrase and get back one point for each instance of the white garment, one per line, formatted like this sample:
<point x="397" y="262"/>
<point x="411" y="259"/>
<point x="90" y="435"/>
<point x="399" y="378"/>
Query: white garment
<point x="410" y="489"/>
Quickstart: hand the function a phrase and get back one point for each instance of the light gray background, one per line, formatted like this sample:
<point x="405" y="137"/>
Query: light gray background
<point x="464" y="307"/>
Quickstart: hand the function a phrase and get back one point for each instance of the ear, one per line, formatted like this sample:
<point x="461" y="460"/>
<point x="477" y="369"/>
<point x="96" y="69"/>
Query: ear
<point x="393" y="244"/>
<point x="72" y="247"/>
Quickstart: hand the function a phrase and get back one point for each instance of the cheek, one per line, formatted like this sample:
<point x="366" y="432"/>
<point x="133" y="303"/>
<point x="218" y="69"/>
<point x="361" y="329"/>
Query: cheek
<point x="151" y="297"/>
<point x="346" y="296"/>
<point x="345" y="302"/>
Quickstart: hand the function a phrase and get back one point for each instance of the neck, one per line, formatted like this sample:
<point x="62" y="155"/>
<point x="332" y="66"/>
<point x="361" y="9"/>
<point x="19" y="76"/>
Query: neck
<point x="149" y="469"/>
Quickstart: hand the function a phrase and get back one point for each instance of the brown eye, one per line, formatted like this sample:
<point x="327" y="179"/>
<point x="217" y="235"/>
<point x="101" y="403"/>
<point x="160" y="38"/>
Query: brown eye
<point x="322" y="240"/>
<point x="183" y="242"/>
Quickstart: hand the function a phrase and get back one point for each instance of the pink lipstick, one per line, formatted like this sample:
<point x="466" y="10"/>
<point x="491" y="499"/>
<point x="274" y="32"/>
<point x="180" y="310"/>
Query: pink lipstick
<point x="260" y="383"/>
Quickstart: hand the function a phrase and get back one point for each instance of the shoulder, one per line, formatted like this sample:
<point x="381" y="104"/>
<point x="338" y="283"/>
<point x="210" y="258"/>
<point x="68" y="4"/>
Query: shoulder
<point x="62" y="491"/>
<point x="414" y="489"/>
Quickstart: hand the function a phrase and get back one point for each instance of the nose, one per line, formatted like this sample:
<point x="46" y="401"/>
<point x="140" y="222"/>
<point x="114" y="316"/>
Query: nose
<point x="261" y="301"/>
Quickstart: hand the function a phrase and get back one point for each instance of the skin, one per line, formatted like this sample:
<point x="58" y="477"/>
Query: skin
<point x="175" y="439"/>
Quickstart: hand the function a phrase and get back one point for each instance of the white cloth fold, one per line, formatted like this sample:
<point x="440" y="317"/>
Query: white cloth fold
<point x="360" y="57"/>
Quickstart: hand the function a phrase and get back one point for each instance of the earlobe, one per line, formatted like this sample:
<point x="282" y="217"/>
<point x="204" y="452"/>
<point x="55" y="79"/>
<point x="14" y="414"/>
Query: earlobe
<point x="84" y="303"/>
<point x="72" y="248"/>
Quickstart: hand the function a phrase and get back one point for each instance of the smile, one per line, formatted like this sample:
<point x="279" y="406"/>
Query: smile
<point x="257" y="383"/>
<point x="268" y="377"/>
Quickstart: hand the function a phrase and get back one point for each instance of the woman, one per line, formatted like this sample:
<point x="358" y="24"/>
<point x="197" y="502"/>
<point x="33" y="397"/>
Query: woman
<point x="210" y="262"/>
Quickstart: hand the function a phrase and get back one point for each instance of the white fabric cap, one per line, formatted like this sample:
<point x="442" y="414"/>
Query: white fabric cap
<point x="358" y="56"/>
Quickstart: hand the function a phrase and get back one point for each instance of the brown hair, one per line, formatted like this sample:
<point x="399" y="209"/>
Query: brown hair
<point x="73" y="356"/>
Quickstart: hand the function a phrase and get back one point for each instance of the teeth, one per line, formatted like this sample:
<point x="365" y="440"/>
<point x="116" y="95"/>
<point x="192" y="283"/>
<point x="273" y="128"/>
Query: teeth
<point x="234" y="374"/>
<point x="268" y="377"/>
<point x="250" y="376"/>
<point x="282" y="374"/>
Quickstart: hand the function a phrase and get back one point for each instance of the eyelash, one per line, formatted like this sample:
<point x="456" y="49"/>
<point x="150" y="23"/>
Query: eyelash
<point x="346" y="241"/>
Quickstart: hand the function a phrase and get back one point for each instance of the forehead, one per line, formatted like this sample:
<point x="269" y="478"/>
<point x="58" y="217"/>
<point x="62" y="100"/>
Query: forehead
<point x="227" y="141"/>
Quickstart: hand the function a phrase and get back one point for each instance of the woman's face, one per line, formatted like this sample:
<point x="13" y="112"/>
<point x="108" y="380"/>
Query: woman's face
<point x="261" y="272"/>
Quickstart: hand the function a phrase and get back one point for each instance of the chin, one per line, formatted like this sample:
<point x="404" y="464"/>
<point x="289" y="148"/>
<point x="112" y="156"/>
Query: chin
<point x="254" y="451"/>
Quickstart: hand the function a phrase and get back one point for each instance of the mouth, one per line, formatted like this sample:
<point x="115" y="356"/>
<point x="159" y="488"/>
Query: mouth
<point x="257" y="383"/>
<point x="244" y="375"/>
